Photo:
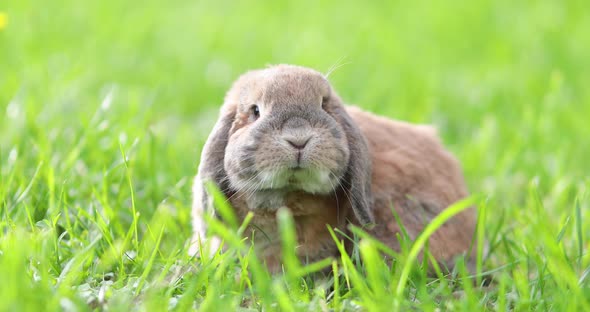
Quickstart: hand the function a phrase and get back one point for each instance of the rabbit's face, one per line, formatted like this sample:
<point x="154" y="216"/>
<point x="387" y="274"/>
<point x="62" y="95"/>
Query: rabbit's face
<point x="286" y="134"/>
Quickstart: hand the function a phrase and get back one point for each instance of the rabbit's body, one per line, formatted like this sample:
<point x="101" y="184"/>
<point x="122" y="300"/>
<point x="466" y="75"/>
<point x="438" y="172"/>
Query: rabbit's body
<point x="311" y="215"/>
<point x="284" y="139"/>
<point x="414" y="175"/>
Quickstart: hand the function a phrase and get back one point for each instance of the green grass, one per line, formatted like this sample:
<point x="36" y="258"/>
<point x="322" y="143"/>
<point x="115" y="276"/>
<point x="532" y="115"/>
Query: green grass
<point x="105" y="105"/>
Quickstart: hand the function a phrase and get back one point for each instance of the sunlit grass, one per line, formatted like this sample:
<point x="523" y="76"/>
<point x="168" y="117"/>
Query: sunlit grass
<point x="3" y="20"/>
<point x="105" y="105"/>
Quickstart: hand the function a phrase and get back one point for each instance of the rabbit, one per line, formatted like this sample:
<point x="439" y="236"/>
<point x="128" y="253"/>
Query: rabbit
<point x="284" y="139"/>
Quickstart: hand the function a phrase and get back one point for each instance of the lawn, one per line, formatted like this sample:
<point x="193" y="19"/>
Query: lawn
<point x="105" y="106"/>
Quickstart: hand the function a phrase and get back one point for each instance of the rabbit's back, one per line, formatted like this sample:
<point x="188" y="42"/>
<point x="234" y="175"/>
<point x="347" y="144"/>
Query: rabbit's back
<point x="414" y="175"/>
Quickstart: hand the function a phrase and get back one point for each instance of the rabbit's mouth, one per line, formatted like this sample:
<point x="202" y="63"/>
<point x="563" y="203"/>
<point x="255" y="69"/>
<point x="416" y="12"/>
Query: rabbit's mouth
<point x="309" y="180"/>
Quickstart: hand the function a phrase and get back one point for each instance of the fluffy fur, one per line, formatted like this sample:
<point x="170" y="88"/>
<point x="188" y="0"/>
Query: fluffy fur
<point x="284" y="139"/>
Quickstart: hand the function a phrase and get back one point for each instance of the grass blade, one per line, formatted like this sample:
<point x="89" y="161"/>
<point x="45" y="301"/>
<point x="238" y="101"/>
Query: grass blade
<point x="436" y="223"/>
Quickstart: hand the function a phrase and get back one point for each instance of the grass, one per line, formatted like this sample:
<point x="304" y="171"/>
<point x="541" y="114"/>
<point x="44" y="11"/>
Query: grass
<point x="105" y="105"/>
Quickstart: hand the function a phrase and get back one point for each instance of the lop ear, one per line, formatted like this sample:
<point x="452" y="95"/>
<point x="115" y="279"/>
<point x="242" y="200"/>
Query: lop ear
<point x="358" y="174"/>
<point x="211" y="167"/>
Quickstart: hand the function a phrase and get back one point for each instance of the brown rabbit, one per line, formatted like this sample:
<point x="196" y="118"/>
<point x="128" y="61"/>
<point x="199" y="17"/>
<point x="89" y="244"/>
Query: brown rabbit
<point x="284" y="139"/>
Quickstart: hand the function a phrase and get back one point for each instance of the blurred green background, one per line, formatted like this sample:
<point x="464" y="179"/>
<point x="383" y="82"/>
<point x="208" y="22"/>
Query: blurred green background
<point x="99" y="98"/>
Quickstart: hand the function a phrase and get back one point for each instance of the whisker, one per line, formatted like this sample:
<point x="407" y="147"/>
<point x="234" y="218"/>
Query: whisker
<point x="336" y="196"/>
<point x="336" y="65"/>
<point x="249" y="186"/>
<point x="346" y="193"/>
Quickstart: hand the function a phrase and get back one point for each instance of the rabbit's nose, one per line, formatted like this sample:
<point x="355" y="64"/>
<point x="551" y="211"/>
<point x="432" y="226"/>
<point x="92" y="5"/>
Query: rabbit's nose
<point x="298" y="143"/>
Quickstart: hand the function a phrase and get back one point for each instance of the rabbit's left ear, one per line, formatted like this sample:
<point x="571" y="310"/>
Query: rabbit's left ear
<point x="358" y="174"/>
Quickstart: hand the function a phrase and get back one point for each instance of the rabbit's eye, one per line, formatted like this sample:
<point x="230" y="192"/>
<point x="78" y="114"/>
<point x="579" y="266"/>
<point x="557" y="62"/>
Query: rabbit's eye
<point x="255" y="111"/>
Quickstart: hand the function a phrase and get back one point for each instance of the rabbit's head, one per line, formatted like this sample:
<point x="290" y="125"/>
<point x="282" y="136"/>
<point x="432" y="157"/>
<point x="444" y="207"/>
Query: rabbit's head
<point x="284" y="129"/>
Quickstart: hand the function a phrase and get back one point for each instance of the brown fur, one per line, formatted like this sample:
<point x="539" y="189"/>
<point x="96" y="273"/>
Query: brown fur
<point x="381" y="165"/>
<point x="418" y="178"/>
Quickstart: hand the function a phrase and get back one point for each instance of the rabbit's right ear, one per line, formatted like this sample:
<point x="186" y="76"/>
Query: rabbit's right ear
<point x="211" y="167"/>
